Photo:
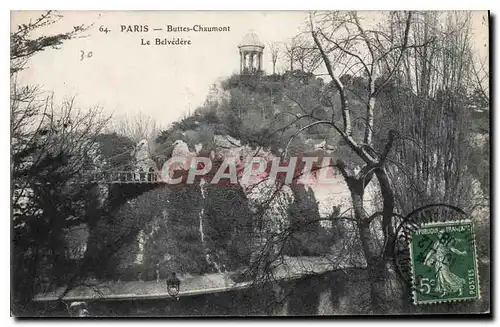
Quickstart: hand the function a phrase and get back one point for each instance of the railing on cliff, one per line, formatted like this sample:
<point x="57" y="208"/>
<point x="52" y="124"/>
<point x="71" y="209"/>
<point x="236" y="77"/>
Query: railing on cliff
<point x="127" y="177"/>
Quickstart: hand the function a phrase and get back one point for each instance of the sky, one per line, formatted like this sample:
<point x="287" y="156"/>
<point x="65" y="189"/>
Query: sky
<point x="163" y="82"/>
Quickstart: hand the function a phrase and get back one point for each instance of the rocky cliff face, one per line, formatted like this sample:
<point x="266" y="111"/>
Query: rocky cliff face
<point x="164" y="212"/>
<point x="142" y="158"/>
<point x="329" y="196"/>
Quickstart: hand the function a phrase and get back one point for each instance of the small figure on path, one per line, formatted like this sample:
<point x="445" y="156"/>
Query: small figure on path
<point x="173" y="285"/>
<point x="79" y="309"/>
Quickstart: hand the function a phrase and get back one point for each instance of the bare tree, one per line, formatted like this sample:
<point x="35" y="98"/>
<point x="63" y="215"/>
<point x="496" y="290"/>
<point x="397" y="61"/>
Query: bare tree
<point x="301" y="53"/>
<point x="307" y="56"/>
<point x="137" y="127"/>
<point x="480" y="78"/>
<point x="289" y="52"/>
<point x="53" y="148"/>
<point x="375" y="161"/>
<point x="438" y="117"/>
<point x="23" y="46"/>
<point x="381" y="57"/>
<point x="347" y="47"/>
<point x="274" y="48"/>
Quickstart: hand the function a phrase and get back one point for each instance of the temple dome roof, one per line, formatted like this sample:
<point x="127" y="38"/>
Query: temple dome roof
<point x="251" y="39"/>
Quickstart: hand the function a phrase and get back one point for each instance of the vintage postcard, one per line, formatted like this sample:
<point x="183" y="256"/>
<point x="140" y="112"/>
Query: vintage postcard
<point x="249" y="163"/>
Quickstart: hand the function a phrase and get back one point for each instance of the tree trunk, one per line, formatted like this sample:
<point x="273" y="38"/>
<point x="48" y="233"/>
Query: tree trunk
<point x="388" y="209"/>
<point x="387" y="294"/>
<point x="370" y="248"/>
<point x="386" y="283"/>
<point x="24" y="280"/>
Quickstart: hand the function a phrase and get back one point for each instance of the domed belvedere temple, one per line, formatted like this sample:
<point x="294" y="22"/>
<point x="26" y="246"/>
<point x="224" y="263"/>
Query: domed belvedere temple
<point x="251" y="50"/>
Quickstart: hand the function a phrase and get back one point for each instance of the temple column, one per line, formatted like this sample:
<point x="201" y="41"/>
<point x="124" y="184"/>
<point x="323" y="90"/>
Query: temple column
<point x="260" y="61"/>
<point x="242" y="61"/>
<point x="247" y="60"/>
<point x="250" y="63"/>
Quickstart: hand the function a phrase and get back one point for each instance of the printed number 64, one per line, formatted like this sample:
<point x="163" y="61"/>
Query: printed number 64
<point x="425" y="283"/>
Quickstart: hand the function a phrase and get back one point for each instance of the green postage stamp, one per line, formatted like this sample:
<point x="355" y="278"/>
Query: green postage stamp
<point x="443" y="262"/>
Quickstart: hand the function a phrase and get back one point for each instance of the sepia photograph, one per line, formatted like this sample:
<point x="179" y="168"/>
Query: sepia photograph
<point x="249" y="163"/>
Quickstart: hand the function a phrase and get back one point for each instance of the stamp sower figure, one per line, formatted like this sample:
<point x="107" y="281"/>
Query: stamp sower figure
<point x="439" y="258"/>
